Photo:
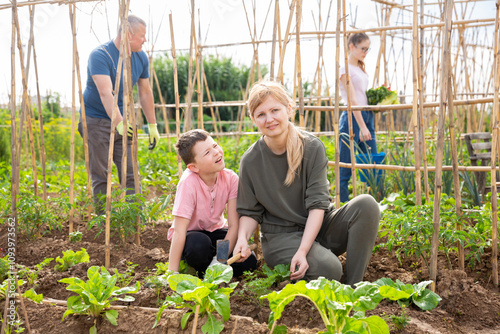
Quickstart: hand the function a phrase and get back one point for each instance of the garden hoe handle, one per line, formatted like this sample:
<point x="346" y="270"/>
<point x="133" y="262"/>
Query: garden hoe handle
<point x="238" y="255"/>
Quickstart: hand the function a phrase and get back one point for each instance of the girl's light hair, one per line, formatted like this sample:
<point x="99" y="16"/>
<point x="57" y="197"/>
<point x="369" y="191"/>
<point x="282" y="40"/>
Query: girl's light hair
<point x="294" y="143"/>
<point x="355" y="39"/>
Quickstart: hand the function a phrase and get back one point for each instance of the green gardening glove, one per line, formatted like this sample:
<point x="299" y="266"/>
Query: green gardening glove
<point x="130" y="131"/>
<point x="154" y="136"/>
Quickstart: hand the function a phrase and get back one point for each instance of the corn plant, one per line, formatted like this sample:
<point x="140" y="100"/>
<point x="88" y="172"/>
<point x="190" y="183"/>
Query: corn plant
<point x="208" y="295"/>
<point x="94" y="296"/>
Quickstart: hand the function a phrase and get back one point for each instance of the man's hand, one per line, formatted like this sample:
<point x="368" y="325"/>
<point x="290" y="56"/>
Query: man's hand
<point x="154" y="136"/>
<point x="130" y="131"/>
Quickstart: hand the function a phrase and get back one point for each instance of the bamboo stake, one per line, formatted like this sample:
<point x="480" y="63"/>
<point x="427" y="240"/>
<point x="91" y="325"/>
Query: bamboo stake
<point x="199" y="65"/>
<point x="298" y="8"/>
<point x="213" y="114"/>
<point x="337" y="105"/>
<point x="444" y="73"/>
<point x="273" y="48"/>
<point x="27" y="105"/>
<point x="107" y="254"/>
<point x="349" y="106"/>
<point x="72" y="18"/>
<point x="188" y="113"/>
<point x="285" y="42"/>
<point x="318" y="69"/>
<point x="420" y="113"/>
<point x="494" y="144"/>
<point x="415" y="122"/>
<point x="41" y="147"/>
<point x="6" y="307"/>
<point x="163" y="109"/>
<point x="83" y="118"/>
<point x="176" y="92"/>
<point x="195" y="323"/>
<point x="23" y="307"/>
<point x="14" y="151"/>
<point x="456" y="177"/>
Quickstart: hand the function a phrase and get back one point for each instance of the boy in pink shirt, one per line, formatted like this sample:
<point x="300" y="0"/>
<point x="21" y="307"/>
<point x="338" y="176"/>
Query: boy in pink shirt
<point x="205" y="190"/>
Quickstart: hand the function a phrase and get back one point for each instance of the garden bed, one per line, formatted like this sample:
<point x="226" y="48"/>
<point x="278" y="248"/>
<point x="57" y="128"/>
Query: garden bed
<point x="470" y="303"/>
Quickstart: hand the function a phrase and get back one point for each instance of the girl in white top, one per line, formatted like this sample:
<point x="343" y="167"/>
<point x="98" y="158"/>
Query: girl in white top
<point x="363" y="126"/>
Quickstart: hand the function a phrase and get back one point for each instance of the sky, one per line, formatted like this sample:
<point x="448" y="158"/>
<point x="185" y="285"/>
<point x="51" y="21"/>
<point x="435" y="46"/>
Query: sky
<point x="220" y="21"/>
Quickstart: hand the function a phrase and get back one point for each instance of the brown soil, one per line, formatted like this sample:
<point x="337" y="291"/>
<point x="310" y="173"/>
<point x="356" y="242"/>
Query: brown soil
<point x="470" y="302"/>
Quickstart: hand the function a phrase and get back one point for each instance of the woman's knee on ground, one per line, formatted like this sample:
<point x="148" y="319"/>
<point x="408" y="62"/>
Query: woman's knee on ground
<point x="368" y="208"/>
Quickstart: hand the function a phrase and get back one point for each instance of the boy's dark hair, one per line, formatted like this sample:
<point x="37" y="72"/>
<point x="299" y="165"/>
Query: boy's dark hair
<point x="187" y="140"/>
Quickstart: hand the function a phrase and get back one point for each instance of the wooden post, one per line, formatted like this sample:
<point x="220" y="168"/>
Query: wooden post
<point x="163" y="109"/>
<point x="72" y="17"/>
<point x="199" y="65"/>
<point x="298" y="9"/>
<point x="285" y="42"/>
<point x="443" y="74"/>
<point x="415" y="122"/>
<point x="176" y="92"/>
<point x="14" y="185"/>
<point x="107" y="250"/>
<point x="188" y="114"/>
<point x="349" y="110"/>
<point x="495" y="145"/>
<point x="337" y="105"/>
<point x="273" y="48"/>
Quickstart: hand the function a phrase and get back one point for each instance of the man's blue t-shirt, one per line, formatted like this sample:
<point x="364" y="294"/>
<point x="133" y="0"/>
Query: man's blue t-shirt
<point x="104" y="60"/>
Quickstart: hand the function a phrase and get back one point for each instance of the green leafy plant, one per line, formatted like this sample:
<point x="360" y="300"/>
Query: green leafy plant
<point x="29" y="294"/>
<point x="382" y="96"/>
<point x="124" y="215"/>
<point x="4" y="267"/>
<point x="406" y="294"/>
<point x="32" y="275"/>
<point x="95" y="295"/>
<point x="341" y="307"/>
<point x="35" y="216"/>
<point x="75" y="236"/>
<point x="400" y="321"/>
<point x="156" y="282"/>
<point x="208" y="295"/>
<point x="70" y="258"/>
<point x="124" y="279"/>
<point x="257" y="286"/>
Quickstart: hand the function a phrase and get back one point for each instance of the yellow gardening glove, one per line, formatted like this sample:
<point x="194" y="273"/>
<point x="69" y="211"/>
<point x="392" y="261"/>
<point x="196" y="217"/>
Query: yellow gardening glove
<point x="154" y="136"/>
<point x="130" y="131"/>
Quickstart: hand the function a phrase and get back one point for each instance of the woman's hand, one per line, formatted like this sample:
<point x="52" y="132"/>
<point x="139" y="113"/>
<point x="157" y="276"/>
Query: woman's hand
<point x="299" y="266"/>
<point x="364" y="134"/>
<point x="243" y="248"/>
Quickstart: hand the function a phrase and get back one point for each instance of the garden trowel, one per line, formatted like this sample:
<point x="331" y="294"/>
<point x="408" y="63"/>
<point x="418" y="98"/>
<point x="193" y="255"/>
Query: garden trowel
<point x="223" y="252"/>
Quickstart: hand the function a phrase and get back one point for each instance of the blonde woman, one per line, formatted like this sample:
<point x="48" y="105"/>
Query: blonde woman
<point x="283" y="187"/>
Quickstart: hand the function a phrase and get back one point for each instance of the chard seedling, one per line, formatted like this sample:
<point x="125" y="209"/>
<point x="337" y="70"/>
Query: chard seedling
<point x="32" y="275"/>
<point x="95" y="295"/>
<point x="70" y="258"/>
<point x="341" y="307"/>
<point x="207" y="294"/>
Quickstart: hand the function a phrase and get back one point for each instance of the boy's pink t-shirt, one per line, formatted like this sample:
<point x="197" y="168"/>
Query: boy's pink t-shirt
<point x="203" y="205"/>
<point x="359" y="80"/>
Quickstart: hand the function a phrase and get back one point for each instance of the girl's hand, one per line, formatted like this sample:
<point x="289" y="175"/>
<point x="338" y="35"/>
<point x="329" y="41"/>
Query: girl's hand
<point x="299" y="266"/>
<point x="365" y="135"/>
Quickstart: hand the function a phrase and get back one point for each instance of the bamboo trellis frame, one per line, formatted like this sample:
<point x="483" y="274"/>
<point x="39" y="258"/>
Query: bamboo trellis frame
<point x="463" y="66"/>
